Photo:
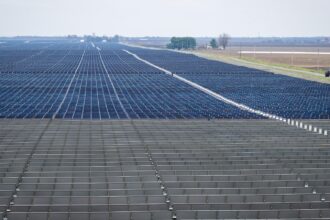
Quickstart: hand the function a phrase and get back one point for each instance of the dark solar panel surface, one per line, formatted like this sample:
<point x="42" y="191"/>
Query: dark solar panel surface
<point x="284" y="96"/>
<point x="154" y="169"/>
<point x="55" y="169"/>
<point x="73" y="80"/>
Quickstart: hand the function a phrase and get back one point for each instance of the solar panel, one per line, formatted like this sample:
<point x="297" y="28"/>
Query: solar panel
<point x="78" y="81"/>
<point x="154" y="169"/>
<point x="281" y="95"/>
<point x="90" y="168"/>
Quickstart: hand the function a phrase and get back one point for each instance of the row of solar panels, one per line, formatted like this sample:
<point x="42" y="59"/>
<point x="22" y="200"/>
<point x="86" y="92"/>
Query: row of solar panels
<point x="158" y="169"/>
<point x="284" y="96"/>
<point x="75" y="81"/>
<point x="35" y="82"/>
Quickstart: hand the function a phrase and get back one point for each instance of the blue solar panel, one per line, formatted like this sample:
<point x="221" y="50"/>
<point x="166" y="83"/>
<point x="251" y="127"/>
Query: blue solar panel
<point x="73" y="80"/>
<point x="273" y="93"/>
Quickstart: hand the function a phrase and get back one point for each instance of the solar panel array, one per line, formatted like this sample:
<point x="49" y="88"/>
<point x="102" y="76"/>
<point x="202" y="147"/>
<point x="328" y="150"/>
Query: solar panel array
<point x="160" y="169"/>
<point x="154" y="169"/>
<point x="284" y="96"/>
<point x="73" y="80"/>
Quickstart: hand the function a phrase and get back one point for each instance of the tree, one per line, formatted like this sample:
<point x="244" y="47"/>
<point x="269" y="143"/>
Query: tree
<point x="116" y="39"/>
<point x="182" y="43"/>
<point x="224" y="40"/>
<point x="213" y="43"/>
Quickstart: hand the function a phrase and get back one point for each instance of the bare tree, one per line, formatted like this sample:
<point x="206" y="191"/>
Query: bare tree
<point x="224" y="40"/>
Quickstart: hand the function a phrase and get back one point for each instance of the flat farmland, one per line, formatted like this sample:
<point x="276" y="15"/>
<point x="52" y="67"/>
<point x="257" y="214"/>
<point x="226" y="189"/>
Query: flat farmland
<point x="288" y="56"/>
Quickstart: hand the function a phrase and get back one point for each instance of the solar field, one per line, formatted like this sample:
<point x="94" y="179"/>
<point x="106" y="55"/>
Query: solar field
<point x="284" y="96"/>
<point x="98" y="131"/>
<point x="82" y="81"/>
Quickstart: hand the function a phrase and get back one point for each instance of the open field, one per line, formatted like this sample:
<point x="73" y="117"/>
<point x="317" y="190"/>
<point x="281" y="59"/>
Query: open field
<point x="311" y="60"/>
<point x="277" y="63"/>
<point x="98" y="131"/>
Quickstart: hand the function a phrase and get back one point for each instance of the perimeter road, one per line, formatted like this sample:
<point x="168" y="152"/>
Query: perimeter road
<point x="226" y="100"/>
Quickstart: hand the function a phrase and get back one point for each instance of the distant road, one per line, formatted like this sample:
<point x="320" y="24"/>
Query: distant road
<point x="284" y="52"/>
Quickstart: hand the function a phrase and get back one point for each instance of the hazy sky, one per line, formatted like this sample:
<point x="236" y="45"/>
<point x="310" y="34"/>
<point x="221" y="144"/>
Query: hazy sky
<point x="165" y="17"/>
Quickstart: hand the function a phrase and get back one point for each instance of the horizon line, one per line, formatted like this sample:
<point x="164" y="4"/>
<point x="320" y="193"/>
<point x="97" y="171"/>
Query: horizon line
<point x="155" y="36"/>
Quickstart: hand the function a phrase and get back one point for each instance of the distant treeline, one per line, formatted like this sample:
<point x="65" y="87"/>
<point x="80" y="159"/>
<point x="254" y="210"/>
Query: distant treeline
<point x="241" y="41"/>
<point x="182" y="43"/>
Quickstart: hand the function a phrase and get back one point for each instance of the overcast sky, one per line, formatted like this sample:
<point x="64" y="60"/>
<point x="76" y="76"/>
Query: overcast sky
<point x="165" y="17"/>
